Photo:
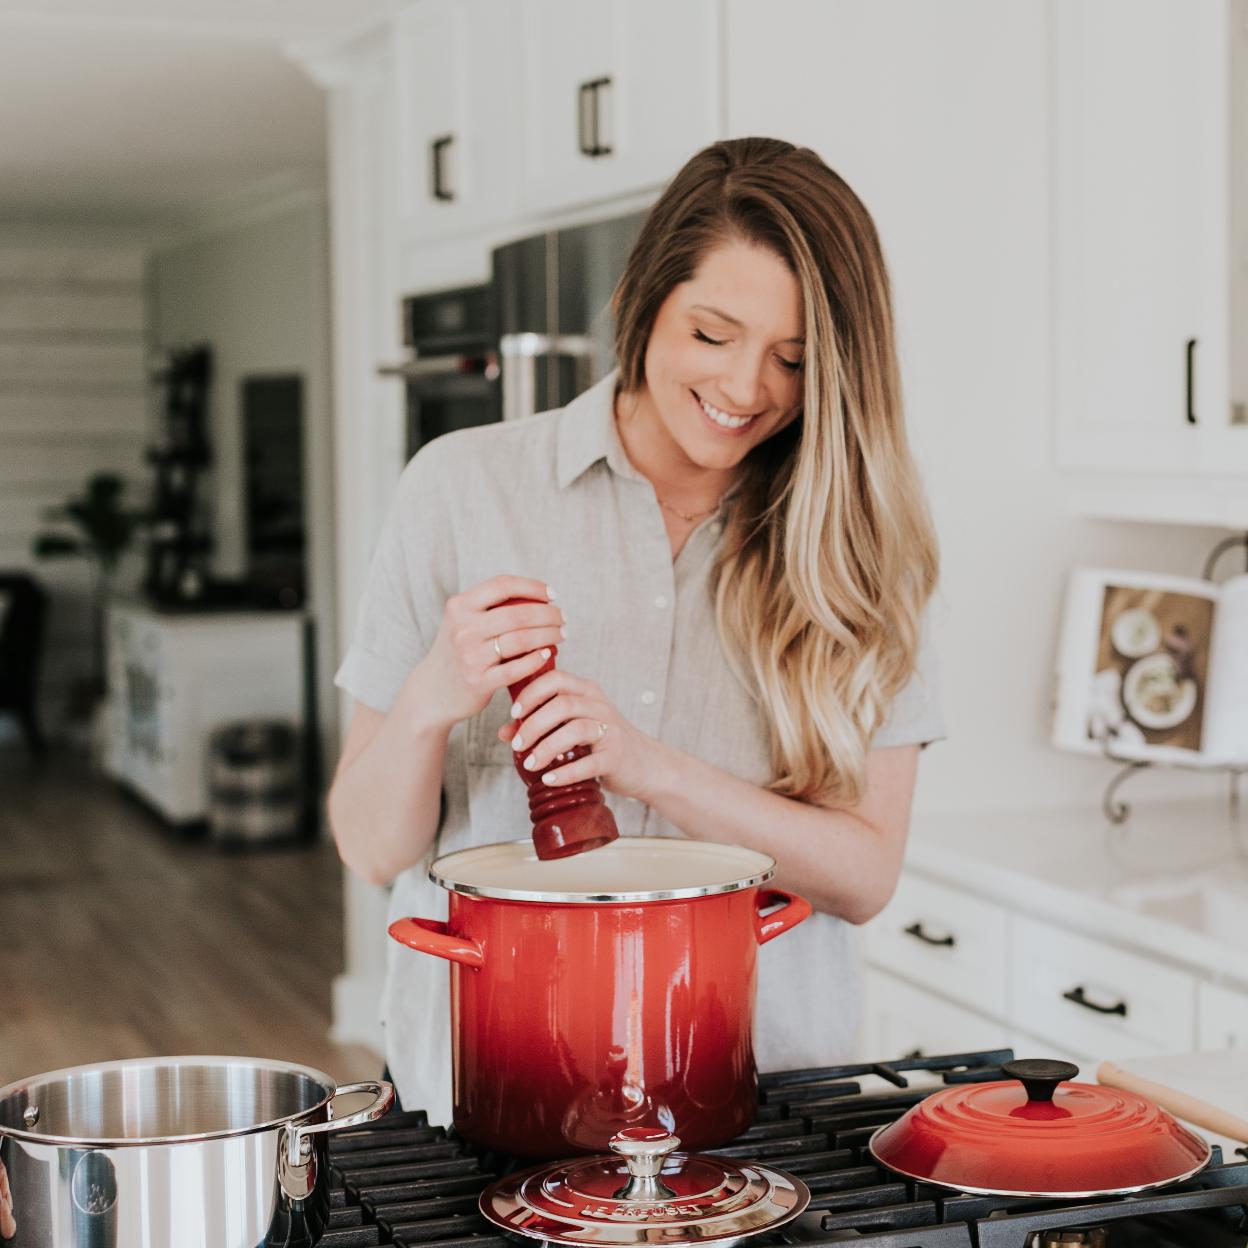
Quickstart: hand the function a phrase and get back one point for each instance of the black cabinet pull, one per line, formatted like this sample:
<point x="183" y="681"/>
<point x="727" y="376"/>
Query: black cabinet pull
<point x="916" y="930"/>
<point x="1191" y="381"/>
<point x="436" y="151"/>
<point x="589" y="118"/>
<point x="1079" y="997"/>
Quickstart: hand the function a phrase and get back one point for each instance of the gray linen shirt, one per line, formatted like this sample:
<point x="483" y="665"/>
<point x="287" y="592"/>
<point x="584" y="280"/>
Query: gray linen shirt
<point x="555" y="497"/>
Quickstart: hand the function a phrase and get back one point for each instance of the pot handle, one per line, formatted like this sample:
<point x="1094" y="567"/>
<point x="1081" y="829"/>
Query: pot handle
<point x="431" y="936"/>
<point x="768" y="927"/>
<point x="297" y="1159"/>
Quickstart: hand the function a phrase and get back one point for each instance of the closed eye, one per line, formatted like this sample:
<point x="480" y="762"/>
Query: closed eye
<point x="701" y="337"/>
<point x="791" y="365"/>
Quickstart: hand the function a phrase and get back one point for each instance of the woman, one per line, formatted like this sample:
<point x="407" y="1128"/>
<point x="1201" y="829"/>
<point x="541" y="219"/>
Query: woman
<point x="742" y="557"/>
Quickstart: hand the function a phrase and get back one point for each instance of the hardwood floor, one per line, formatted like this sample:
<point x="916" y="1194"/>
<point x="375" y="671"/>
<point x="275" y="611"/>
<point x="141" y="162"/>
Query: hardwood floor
<point x="118" y="938"/>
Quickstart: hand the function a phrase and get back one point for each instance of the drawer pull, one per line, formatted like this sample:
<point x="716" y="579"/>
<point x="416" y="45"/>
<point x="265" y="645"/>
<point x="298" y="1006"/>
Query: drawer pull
<point x="916" y="930"/>
<point x="1080" y="997"/>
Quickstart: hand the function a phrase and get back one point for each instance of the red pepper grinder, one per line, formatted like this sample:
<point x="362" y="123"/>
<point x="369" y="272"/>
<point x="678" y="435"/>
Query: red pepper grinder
<point x="568" y="818"/>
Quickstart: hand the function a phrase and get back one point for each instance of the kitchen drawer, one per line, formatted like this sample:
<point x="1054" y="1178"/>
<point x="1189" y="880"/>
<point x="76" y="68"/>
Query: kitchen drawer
<point x="1221" y="1018"/>
<point x="950" y="942"/>
<point x="900" y="1020"/>
<point x="1025" y="1045"/>
<point x="1127" y="1004"/>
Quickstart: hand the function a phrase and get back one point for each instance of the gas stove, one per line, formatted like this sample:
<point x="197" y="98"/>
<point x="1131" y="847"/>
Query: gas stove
<point x="403" y="1182"/>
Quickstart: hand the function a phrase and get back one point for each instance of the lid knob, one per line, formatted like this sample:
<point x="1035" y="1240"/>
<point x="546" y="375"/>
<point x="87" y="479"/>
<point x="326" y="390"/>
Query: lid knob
<point x="644" y="1150"/>
<point x="1039" y="1076"/>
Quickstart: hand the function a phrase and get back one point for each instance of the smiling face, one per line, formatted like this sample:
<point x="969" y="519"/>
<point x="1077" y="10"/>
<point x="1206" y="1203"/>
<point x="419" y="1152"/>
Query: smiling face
<point x="723" y="362"/>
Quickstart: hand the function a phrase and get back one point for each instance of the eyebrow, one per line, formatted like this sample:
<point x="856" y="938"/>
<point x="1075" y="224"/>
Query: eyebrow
<point x="732" y="320"/>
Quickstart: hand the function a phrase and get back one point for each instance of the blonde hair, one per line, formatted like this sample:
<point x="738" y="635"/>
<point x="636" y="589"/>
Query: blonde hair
<point x="829" y="554"/>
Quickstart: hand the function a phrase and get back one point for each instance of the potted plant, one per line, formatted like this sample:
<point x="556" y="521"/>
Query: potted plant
<point x="96" y="525"/>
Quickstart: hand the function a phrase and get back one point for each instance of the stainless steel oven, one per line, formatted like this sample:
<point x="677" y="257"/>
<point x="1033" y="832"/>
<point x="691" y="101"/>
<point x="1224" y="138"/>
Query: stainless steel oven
<point x="452" y="378"/>
<point x="529" y="340"/>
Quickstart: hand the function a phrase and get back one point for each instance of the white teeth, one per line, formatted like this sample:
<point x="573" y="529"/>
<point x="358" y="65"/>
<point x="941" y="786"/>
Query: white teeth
<point x="722" y="418"/>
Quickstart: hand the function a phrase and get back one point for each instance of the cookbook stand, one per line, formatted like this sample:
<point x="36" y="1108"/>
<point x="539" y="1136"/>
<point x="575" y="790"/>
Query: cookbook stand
<point x="1116" y="810"/>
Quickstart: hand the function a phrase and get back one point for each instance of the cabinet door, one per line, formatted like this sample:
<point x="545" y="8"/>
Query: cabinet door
<point x="617" y="95"/>
<point x="1221" y="1018"/>
<point x="900" y="1020"/>
<point x="458" y="130"/>
<point x="1141" y="92"/>
<point x="940" y="936"/>
<point x="1096" y="999"/>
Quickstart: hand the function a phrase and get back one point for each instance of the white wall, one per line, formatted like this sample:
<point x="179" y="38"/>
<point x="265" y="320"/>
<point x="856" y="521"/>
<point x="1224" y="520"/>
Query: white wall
<point x="938" y="116"/>
<point x="257" y="292"/>
<point x="71" y="404"/>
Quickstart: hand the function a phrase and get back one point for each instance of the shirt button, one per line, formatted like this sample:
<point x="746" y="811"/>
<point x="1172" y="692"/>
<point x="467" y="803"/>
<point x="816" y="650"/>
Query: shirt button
<point x="660" y="601"/>
<point x="647" y="698"/>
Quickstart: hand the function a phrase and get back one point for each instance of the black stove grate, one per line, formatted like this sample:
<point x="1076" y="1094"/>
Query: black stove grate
<point x="402" y="1182"/>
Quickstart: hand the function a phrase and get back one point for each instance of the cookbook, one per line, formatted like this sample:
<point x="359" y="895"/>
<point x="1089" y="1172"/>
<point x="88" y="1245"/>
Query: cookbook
<point x="1154" y="668"/>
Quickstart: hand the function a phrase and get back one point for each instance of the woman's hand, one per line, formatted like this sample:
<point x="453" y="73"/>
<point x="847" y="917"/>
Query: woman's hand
<point x="559" y="711"/>
<point x="482" y="646"/>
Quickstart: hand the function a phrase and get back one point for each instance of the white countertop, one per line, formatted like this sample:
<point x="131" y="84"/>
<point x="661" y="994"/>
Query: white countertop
<point x="1172" y="880"/>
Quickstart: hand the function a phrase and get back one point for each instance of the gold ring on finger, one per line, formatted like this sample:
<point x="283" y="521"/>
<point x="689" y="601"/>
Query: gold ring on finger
<point x="602" y="730"/>
<point x="498" y="649"/>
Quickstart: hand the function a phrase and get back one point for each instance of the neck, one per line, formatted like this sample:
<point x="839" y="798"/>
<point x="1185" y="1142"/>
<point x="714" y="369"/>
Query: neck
<point x="677" y="480"/>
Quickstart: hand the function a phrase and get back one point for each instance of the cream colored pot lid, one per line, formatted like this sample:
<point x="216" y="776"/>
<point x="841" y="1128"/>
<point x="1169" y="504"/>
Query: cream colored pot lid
<point x="633" y="868"/>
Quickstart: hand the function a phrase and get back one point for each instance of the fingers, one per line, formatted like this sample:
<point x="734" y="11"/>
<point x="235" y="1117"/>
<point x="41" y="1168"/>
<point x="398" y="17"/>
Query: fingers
<point x="587" y="768"/>
<point x="503" y="674"/>
<point x="499" y="588"/>
<point x="548" y="686"/>
<point x="574" y="723"/>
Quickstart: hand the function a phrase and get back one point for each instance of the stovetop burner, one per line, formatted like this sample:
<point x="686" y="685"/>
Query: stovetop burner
<point x="403" y="1183"/>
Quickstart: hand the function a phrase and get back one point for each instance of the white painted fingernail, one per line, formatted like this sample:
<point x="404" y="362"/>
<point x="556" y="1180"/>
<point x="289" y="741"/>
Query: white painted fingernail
<point x="545" y="654"/>
<point x="550" y="594"/>
<point x="548" y="778"/>
<point x="516" y="743"/>
<point x="516" y="710"/>
<point x="530" y="762"/>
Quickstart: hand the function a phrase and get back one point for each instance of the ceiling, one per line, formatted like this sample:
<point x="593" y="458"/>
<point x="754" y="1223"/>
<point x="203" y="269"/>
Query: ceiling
<point x="146" y="113"/>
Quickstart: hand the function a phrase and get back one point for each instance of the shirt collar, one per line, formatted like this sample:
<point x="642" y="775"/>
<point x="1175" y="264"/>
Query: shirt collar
<point x="587" y="434"/>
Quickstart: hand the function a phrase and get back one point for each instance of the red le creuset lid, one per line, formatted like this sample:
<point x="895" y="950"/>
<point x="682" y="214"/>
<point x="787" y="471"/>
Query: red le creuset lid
<point x="1037" y="1134"/>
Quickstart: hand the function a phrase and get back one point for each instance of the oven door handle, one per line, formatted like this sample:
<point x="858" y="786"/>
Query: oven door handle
<point x="443" y="366"/>
<point x="520" y="354"/>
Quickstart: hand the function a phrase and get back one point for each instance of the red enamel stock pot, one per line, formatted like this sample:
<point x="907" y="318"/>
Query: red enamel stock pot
<point x="603" y="991"/>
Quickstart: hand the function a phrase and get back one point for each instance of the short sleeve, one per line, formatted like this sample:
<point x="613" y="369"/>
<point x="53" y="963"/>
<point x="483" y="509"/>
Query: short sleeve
<point x="407" y="586"/>
<point x="915" y="717"/>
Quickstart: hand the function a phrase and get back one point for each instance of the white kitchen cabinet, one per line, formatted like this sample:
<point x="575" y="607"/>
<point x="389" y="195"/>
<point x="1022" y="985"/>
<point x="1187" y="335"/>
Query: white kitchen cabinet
<point x="1025" y="1046"/>
<point x="1097" y="999"/>
<point x="1221" y="1018"/>
<point x="457" y="83"/>
<point x="937" y="936"/>
<point x="1150" y="253"/>
<point x="616" y="95"/>
<point x="902" y="1020"/>
<point x="174" y="678"/>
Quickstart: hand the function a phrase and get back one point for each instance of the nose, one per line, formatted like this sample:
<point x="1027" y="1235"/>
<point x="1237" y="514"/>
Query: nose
<point x="742" y="384"/>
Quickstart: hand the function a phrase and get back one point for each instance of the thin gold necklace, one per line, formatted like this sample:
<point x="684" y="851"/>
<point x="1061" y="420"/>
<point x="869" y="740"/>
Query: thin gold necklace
<point x="690" y="516"/>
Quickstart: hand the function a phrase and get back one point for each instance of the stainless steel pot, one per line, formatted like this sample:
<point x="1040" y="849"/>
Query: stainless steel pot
<point x="179" y="1152"/>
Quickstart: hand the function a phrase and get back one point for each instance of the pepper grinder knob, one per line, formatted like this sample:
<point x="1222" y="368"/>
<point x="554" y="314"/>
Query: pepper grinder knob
<point x="644" y="1150"/>
<point x="1039" y="1076"/>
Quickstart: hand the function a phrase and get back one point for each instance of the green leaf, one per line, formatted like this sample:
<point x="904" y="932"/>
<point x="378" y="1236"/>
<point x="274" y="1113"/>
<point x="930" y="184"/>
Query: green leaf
<point x="55" y="546"/>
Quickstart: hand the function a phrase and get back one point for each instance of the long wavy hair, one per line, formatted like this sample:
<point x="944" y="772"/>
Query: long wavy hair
<point x="829" y="555"/>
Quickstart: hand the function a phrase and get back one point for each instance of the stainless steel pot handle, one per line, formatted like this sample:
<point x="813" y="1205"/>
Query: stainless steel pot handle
<point x="297" y="1167"/>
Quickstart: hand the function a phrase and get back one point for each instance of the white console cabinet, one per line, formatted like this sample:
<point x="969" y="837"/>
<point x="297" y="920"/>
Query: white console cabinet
<point x="174" y="677"/>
